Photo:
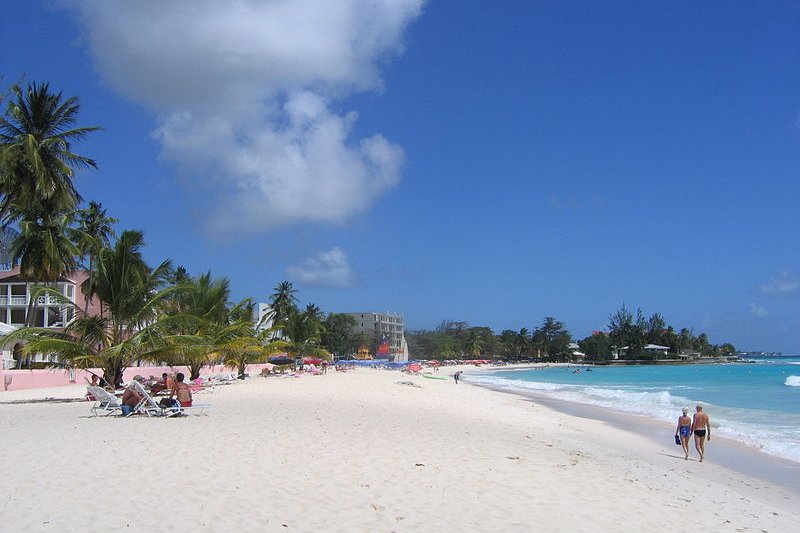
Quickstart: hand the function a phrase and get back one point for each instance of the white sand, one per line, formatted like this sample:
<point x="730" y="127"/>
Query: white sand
<point x="358" y="451"/>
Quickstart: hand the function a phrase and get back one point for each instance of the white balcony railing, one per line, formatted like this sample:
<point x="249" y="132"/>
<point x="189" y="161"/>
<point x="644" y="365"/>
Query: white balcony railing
<point x="13" y="300"/>
<point x="23" y="300"/>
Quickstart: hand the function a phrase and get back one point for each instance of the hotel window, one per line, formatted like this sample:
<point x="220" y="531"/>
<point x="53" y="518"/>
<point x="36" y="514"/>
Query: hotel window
<point x="18" y="290"/>
<point x="39" y="318"/>
<point x="3" y="290"/>
<point x="54" y="317"/>
<point x="17" y="316"/>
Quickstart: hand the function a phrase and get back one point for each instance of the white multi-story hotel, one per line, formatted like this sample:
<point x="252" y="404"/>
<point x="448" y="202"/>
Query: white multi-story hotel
<point x="376" y="326"/>
<point x="262" y="316"/>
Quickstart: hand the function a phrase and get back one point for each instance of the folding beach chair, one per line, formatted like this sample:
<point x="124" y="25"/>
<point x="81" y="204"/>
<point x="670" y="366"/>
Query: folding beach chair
<point x="147" y="405"/>
<point x="105" y="402"/>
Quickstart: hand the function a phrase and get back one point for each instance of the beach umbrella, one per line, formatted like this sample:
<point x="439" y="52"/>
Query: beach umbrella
<point x="281" y="360"/>
<point x="312" y="361"/>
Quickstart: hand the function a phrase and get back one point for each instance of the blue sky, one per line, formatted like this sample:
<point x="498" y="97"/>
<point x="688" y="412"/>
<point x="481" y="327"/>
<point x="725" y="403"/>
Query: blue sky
<point x="487" y="162"/>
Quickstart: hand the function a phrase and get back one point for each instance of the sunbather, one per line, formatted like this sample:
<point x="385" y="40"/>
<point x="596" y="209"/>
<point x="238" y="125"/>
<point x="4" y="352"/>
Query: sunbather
<point x="161" y="385"/>
<point x="181" y="391"/>
<point x="131" y="398"/>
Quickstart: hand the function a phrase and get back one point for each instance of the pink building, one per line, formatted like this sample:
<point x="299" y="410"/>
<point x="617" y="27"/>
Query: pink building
<point x="15" y="297"/>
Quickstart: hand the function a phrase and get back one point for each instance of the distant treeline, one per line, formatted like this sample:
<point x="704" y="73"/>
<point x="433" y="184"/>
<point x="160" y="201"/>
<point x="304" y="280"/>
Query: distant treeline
<point x="551" y="341"/>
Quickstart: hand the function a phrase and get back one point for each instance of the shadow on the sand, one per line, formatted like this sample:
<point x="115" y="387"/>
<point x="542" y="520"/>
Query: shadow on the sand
<point x="45" y="400"/>
<point x="675" y="456"/>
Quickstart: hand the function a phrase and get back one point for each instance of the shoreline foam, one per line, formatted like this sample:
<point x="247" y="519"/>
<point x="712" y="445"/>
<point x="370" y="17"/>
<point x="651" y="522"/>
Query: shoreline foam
<point x="729" y="453"/>
<point x="778" y="437"/>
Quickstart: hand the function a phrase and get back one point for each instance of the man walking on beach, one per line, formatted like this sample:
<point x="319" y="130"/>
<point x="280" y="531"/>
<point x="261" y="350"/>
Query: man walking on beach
<point x="456" y="376"/>
<point x="701" y="426"/>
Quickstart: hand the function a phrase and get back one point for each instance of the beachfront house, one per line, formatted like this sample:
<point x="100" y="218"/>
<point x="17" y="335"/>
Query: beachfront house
<point x="575" y="351"/>
<point x="652" y="351"/>
<point x="689" y="354"/>
<point x="15" y="300"/>
<point x="655" y="350"/>
<point x="619" y="352"/>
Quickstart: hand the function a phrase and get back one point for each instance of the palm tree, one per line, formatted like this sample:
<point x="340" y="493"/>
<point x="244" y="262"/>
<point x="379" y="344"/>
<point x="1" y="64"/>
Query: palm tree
<point x="284" y="303"/>
<point x="92" y="341"/>
<point x="44" y="253"/>
<point x="131" y="295"/>
<point x="304" y="332"/>
<point x="474" y="345"/>
<point x="94" y="233"/>
<point x="246" y="346"/>
<point x="199" y="321"/>
<point x="36" y="137"/>
<point x="43" y="250"/>
<point x="125" y="285"/>
<point x="205" y="297"/>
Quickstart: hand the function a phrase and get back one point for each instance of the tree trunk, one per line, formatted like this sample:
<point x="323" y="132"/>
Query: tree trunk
<point x="88" y="294"/>
<point x="194" y="371"/>
<point x="112" y="372"/>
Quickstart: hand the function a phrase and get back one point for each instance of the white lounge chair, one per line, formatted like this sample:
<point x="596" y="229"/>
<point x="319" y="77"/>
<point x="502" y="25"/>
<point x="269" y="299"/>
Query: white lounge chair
<point x="147" y="406"/>
<point x="104" y="402"/>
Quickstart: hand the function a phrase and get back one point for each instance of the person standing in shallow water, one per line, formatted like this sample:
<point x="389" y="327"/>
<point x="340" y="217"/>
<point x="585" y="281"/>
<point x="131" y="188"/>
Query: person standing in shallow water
<point x="701" y="427"/>
<point x="457" y="376"/>
<point x="684" y="431"/>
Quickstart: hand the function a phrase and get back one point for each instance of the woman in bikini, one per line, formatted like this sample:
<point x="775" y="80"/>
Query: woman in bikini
<point x="701" y="427"/>
<point x="182" y="391"/>
<point x="684" y="430"/>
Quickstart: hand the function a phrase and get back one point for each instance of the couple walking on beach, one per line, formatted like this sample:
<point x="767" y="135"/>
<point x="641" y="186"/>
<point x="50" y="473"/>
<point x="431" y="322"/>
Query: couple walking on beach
<point x="699" y="425"/>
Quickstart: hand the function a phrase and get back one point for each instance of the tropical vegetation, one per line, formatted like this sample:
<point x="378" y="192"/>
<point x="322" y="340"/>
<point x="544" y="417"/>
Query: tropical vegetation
<point x="134" y="312"/>
<point x="629" y="336"/>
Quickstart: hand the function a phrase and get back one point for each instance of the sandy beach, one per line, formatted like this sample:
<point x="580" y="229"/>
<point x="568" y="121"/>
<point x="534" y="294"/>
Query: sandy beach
<point x="366" y="450"/>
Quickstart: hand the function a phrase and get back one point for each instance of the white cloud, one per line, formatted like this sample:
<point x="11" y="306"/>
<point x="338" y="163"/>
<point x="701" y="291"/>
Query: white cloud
<point x="758" y="310"/>
<point x="327" y="269"/>
<point x="245" y="89"/>
<point x="783" y="284"/>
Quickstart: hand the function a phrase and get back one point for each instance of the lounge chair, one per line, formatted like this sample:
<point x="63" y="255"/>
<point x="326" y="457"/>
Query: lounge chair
<point x="147" y="406"/>
<point x="150" y="407"/>
<point x="105" y="402"/>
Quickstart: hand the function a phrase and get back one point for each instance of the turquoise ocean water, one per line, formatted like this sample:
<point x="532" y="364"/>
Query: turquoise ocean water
<point x="755" y="403"/>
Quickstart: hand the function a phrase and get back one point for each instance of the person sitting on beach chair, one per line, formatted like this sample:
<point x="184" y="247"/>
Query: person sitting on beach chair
<point x="131" y="398"/>
<point x="181" y="391"/>
<point x="162" y="385"/>
<point x="94" y="383"/>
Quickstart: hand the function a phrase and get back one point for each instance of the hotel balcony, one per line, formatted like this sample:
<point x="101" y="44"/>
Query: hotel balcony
<point x="24" y="301"/>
